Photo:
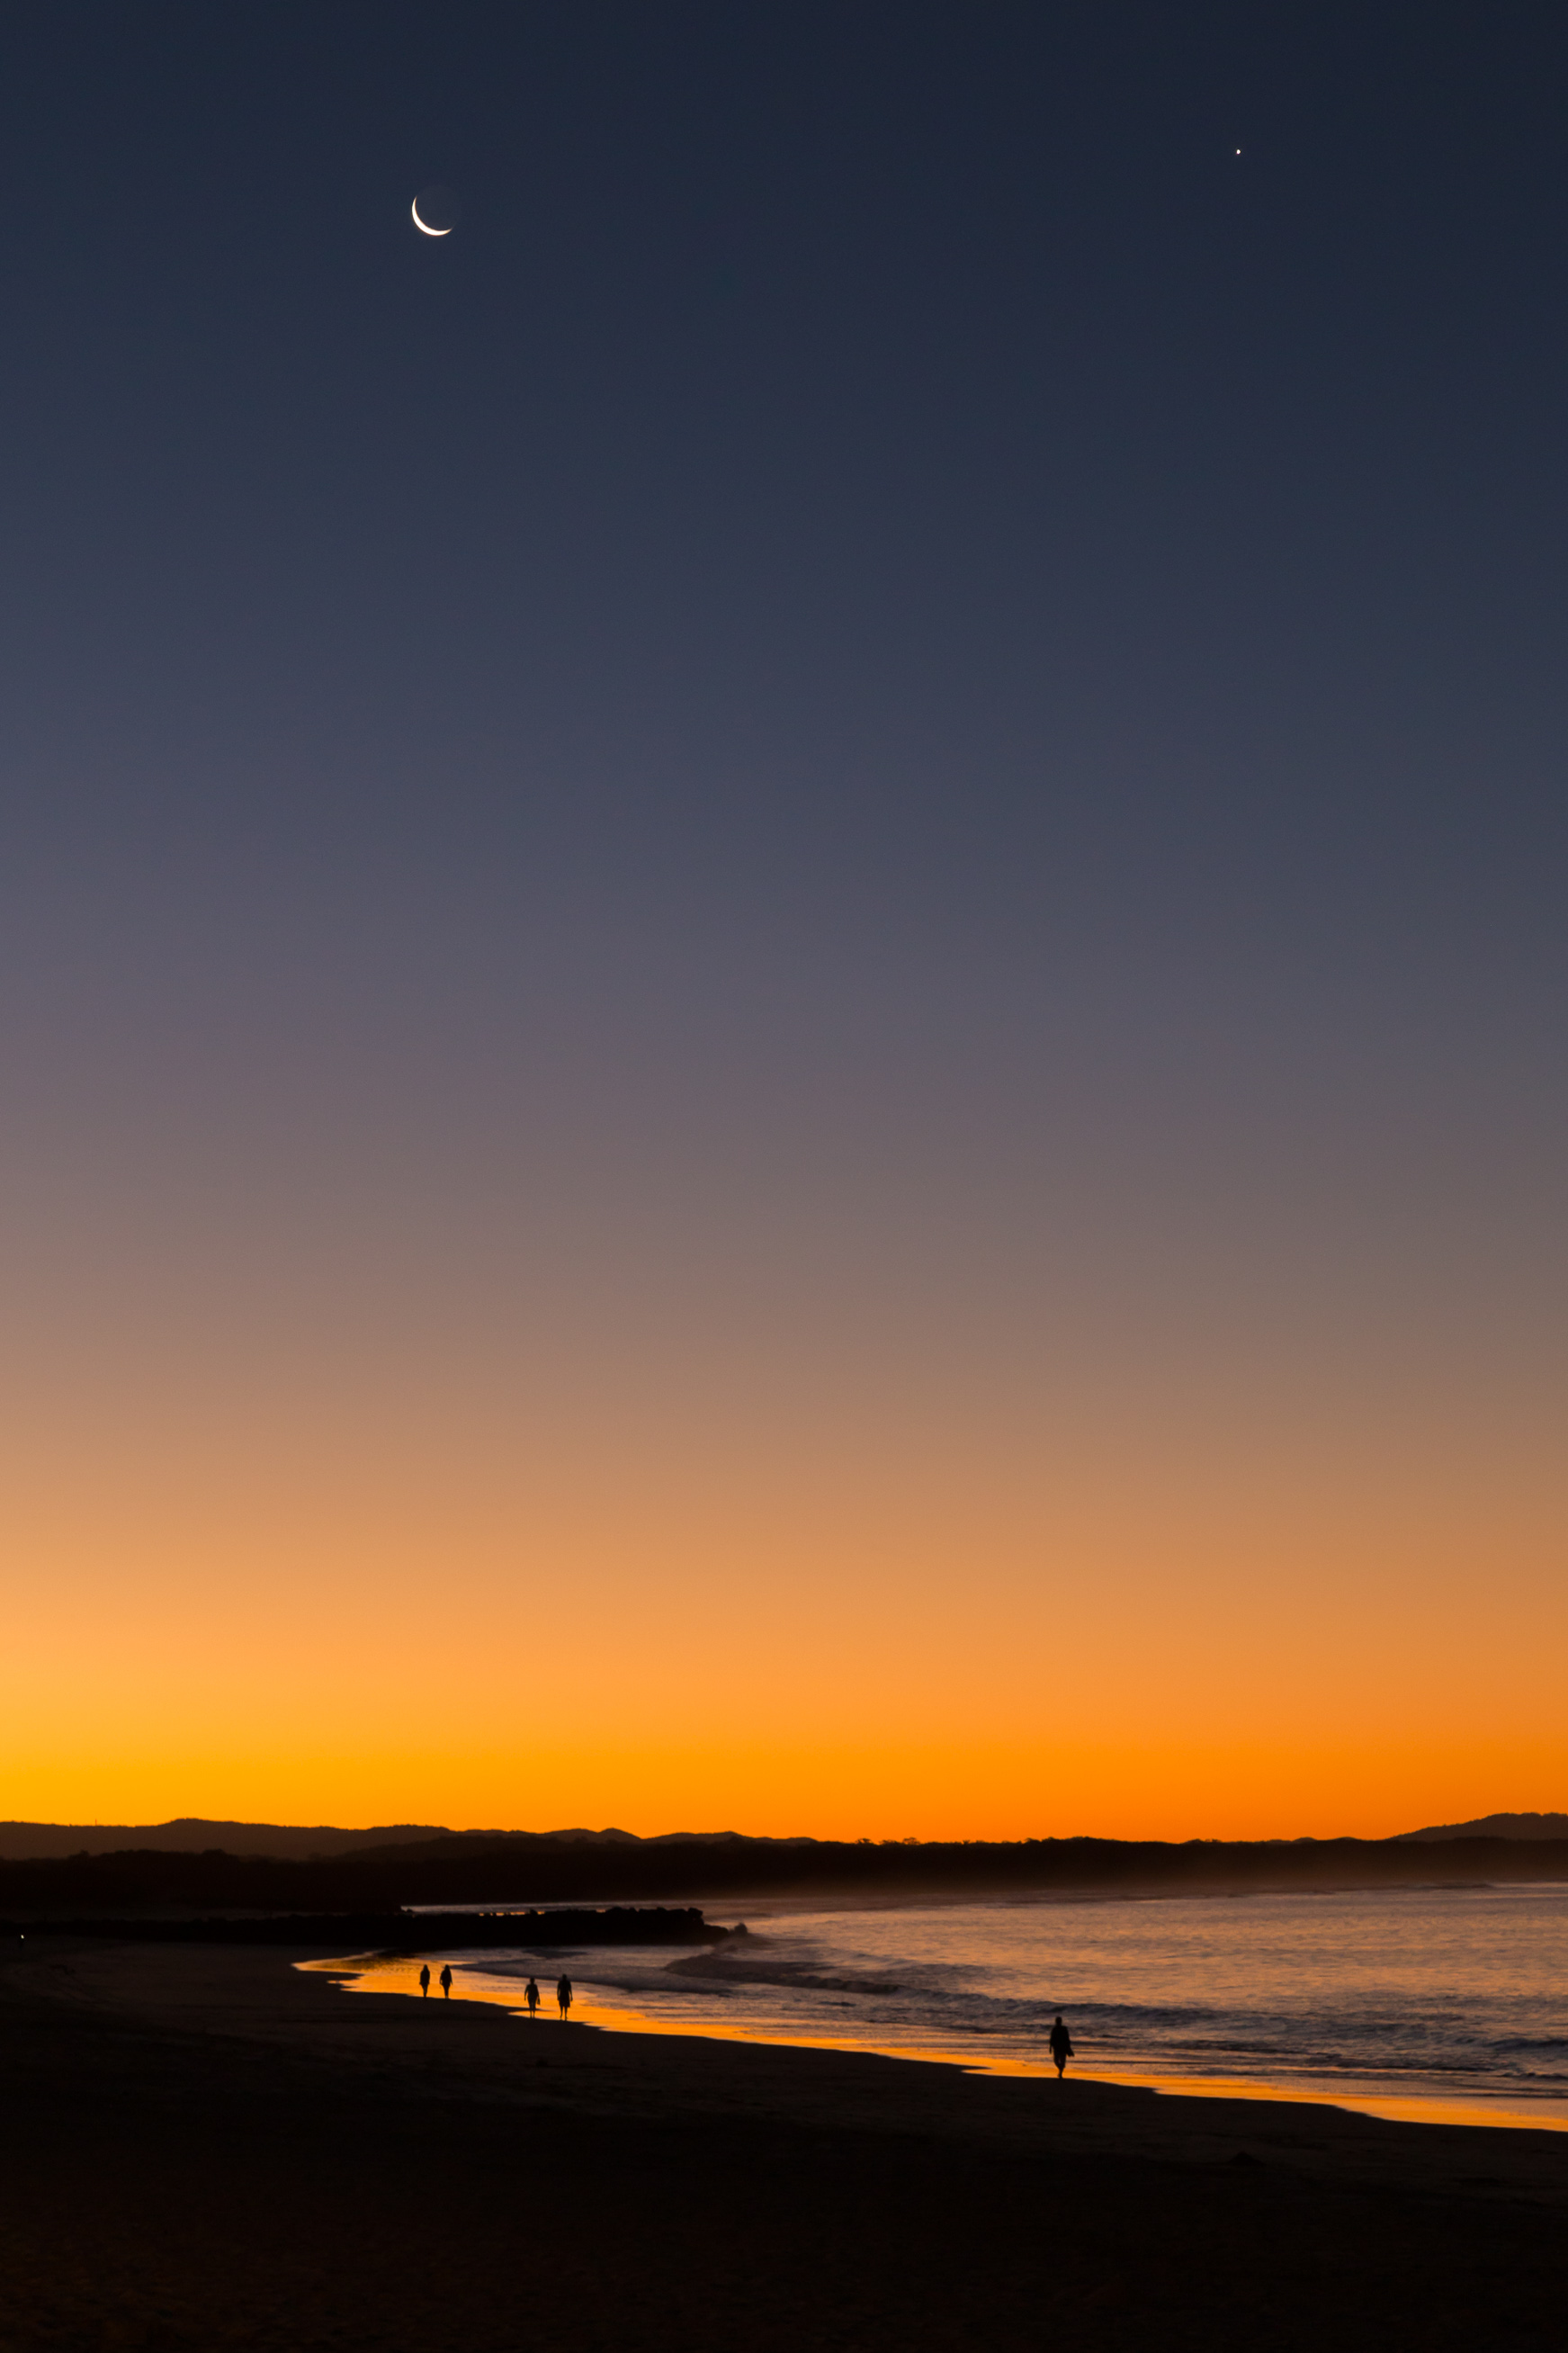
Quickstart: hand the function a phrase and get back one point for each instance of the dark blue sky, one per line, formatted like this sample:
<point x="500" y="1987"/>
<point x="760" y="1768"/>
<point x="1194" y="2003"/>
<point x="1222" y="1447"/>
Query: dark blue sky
<point x="901" y="711"/>
<point x="857" y="475"/>
<point x="828" y="425"/>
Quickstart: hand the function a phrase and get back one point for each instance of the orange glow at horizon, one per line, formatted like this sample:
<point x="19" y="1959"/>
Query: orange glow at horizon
<point x="775" y="1791"/>
<point x="1001" y="1650"/>
<point x="568" y="1545"/>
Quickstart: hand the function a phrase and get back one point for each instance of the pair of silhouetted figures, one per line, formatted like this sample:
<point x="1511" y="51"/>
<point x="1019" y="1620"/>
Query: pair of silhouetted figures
<point x="1062" y="2051"/>
<point x="529" y="1991"/>
<point x="562" y="1996"/>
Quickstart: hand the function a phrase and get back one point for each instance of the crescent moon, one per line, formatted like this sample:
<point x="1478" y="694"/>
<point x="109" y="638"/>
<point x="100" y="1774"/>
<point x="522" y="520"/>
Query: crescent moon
<point x="414" y="208"/>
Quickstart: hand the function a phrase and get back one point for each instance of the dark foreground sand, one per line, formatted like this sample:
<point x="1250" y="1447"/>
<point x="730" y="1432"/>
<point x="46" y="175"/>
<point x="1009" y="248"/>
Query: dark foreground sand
<point x="203" y="2148"/>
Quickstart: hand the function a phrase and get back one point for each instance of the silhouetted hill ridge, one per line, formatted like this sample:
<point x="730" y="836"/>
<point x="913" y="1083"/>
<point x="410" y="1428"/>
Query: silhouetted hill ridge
<point x="541" y="1868"/>
<point x="1508" y="1826"/>
<point x="193" y="1834"/>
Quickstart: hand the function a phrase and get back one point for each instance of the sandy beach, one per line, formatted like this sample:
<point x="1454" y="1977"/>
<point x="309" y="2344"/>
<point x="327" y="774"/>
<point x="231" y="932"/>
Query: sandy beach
<point x="208" y="2148"/>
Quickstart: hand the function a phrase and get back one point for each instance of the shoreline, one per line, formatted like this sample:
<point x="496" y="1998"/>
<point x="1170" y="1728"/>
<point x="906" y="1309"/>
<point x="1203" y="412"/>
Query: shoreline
<point x="364" y="1974"/>
<point x="299" y="2003"/>
<point x="302" y="2003"/>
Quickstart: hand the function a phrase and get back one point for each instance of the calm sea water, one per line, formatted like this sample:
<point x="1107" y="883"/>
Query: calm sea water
<point x="1441" y="1995"/>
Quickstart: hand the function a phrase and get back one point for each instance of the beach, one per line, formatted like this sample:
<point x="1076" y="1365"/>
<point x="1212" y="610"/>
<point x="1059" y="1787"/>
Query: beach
<point x="210" y="2148"/>
<point x="1428" y="2004"/>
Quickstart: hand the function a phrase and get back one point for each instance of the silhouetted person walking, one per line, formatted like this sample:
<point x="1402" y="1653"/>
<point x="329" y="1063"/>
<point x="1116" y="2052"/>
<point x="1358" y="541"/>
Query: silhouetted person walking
<point x="564" y="1995"/>
<point x="1061" y="2047"/>
<point x="424" y="1979"/>
<point x="446" y="1981"/>
<point x="531" y="1996"/>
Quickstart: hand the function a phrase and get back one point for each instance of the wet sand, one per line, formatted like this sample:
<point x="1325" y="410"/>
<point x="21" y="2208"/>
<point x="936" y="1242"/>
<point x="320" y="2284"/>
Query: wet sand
<point x="209" y="2148"/>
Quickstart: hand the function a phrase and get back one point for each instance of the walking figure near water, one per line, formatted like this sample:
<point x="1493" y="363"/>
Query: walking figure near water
<point x="446" y="1981"/>
<point x="564" y="1995"/>
<point x="1061" y="2046"/>
<point x="424" y="1979"/>
<point x="531" y="1996"/>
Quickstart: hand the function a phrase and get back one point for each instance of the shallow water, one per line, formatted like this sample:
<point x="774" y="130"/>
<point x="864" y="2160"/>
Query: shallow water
<point x="1440" y="1997"/>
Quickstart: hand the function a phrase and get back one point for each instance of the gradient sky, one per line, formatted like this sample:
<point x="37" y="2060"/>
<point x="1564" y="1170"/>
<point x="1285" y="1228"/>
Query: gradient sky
<point x="782" y="948"/>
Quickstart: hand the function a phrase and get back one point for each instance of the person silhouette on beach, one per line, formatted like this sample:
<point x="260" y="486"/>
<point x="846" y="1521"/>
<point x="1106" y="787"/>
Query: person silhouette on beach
<point x="424" y="1979"/>
<point x="564" y="1995"/>
<point x="446" y="1981"/>
<point x="1061" y="2046"/>
<point x="531" y="1996"/>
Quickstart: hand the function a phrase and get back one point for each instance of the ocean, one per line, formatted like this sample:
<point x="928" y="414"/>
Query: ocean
<point x="1420" y="2002"/>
